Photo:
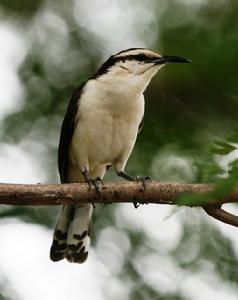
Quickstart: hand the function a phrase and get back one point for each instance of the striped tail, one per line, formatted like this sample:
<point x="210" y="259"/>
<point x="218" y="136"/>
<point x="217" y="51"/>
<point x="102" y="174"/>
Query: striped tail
<point x="71" y="236"/>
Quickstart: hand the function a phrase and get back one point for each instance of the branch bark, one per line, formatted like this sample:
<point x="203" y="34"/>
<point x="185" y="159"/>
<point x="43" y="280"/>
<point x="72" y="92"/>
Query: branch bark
<point x="222" y="215"/>
<point x="115" y="192"/>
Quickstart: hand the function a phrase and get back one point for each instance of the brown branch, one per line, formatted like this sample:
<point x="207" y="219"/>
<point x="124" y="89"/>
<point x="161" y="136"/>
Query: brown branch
<point x="114" y="192"/>
<point x="222" y="215"/>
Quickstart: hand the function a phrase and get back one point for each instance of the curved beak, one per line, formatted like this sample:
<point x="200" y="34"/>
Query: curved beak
<point x="171" y="59"/>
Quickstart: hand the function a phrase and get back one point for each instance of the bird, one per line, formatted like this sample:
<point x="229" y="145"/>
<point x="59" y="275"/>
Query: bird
<point x="99" y="131"/>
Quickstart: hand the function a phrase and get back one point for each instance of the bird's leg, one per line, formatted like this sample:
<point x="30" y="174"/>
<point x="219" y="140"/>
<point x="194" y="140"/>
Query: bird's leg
<point x="125" y="176"/>
<point x="86" y="177"/>
<point x="143" y="179"/>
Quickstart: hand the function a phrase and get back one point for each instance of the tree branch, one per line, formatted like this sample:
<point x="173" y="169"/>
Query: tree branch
<point x="222" y="215"/>
<point x="114" y="192"/>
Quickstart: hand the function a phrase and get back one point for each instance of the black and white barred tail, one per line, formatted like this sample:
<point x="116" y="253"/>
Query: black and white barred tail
<point x="72" y="234"/>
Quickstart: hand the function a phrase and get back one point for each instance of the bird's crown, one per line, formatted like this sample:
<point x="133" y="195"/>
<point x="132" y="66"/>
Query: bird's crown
<point x="135" y="54"/>
<point x="141" y="56"/>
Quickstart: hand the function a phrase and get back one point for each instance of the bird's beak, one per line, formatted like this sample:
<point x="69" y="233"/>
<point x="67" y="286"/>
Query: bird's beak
<point x="171" y="59"/>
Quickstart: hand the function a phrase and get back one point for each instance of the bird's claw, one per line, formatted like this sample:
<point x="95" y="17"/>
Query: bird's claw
<point x="144" y="180"/>
<point x="97" y="183"/>
<point x="136" y="204"/>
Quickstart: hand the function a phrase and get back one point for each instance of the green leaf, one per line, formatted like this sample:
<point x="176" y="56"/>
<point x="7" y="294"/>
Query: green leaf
<point x="222" y="148"/>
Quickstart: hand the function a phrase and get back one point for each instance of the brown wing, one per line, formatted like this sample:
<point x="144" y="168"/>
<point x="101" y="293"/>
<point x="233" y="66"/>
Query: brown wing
<point x="67" y="131"/>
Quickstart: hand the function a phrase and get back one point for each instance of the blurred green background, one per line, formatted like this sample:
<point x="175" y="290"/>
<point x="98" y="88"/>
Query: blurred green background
<point x="190" y="130"/>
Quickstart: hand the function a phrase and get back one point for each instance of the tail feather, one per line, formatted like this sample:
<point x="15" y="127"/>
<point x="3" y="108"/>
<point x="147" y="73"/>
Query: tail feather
<point x="71" y="236"/>
<point x="59" y="246"/>
<point x="78" y="239"/>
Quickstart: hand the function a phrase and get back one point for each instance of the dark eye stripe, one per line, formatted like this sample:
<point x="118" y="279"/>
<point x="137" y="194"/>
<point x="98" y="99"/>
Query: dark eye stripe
<point x="141" y="57"/>
<point x="138" y="57"/>
<point x="114" y="59"/>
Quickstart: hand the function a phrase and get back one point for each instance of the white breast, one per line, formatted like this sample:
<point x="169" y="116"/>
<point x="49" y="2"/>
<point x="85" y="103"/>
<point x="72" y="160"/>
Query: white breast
<point x="107" y="125"/>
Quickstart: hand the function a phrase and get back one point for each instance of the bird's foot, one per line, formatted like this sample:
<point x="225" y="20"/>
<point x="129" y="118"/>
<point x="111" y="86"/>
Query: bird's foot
<point x="97" y="183"/>
<point x="144" y="180"/>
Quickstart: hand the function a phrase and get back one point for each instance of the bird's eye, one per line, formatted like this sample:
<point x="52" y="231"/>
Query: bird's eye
<point x="141" y="57"/>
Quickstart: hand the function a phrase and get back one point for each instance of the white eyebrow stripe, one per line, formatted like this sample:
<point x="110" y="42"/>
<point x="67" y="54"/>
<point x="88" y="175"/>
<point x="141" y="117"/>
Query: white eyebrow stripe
<point x="138" y="51"/>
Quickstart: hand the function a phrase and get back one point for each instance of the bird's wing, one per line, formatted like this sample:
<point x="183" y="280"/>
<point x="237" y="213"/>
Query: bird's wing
<point x="141" y="125"/>
<point x="67" y="131"/>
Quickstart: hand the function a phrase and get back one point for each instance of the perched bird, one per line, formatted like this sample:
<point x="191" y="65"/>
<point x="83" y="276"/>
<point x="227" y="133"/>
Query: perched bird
<point x="99" y="130"/>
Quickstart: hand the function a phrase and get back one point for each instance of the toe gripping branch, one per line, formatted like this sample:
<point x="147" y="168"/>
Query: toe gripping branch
<point x="97" y="182"/>
<point x="143" y="179"/>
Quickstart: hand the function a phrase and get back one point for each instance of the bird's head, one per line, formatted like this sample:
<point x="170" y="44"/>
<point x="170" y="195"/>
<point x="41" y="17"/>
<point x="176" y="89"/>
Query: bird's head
<point x="135" y="66"/>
